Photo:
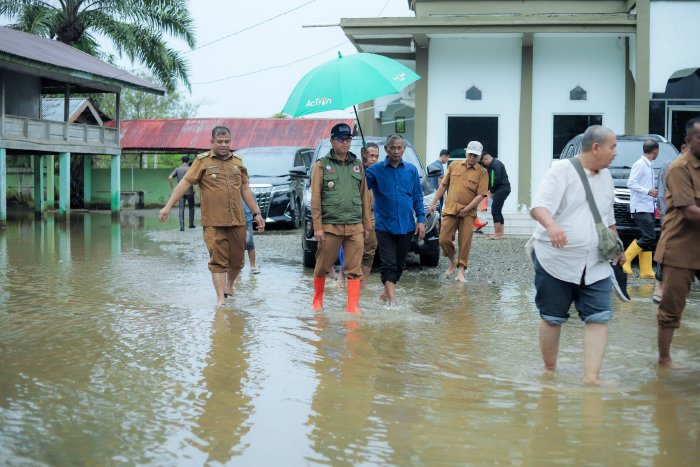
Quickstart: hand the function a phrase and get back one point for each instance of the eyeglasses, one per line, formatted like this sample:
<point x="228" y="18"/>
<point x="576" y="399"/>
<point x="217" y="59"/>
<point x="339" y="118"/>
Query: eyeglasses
<point x="343" y="139"/>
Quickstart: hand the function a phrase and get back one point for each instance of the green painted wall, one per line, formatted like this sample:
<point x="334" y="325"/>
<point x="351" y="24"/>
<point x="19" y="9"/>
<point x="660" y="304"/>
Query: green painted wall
<point x="153" y="183"/>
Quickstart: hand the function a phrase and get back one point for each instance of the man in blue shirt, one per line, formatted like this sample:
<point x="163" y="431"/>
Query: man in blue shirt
<point x="397" y="196"/>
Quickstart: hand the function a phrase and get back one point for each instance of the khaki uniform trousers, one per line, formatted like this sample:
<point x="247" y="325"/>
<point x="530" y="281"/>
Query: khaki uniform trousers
<point x="327" y="254"/>
<point x="465" y="226"/>
<point x="676" y="287"/>
<point x="369" y="250"/>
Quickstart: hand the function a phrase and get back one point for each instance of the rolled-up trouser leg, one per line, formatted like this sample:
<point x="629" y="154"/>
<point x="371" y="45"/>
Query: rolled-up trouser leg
<point x="676" y="287"/>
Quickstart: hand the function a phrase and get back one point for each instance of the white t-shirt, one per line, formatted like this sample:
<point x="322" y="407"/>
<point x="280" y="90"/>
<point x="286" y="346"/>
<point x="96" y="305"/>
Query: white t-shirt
<point x="562" y="194"/>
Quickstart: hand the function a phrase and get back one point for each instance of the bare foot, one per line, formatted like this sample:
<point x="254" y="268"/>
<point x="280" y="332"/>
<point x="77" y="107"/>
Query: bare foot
<point x="384" y="297"/>
<point x="496" y="237"/>
<point x="451" y="269"/>
<point x="461" y="278"/>
<point x="593" y="380"/>
<point x="667" y="363"/>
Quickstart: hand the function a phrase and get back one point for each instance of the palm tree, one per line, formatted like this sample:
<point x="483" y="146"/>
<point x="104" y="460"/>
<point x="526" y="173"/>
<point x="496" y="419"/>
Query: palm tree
<point x="135" y="28"/>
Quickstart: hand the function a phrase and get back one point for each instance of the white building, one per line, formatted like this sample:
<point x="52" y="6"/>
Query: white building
<point x="525" y="76"/>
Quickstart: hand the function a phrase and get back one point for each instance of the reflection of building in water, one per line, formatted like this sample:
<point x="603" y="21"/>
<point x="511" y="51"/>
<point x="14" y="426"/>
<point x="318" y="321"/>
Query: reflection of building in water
<point x="226" y="407"/>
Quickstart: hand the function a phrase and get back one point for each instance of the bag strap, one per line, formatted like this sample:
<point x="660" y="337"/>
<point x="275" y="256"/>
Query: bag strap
<point x="589" y="196"/>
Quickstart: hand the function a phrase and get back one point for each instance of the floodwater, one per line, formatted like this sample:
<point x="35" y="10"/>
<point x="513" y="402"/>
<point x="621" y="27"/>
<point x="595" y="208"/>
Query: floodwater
<point x="112" y="353"/>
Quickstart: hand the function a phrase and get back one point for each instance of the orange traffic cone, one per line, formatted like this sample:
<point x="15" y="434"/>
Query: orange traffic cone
<point x="353" y="295"/>
<point x="479" y="224"/>
<point x="319" y="285"/>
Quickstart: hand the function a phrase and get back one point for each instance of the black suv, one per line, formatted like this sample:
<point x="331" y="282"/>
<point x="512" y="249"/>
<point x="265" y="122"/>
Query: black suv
<point x="278" y="195"/>
<point x="428" y="249"/>
<point x="629" y="150"/>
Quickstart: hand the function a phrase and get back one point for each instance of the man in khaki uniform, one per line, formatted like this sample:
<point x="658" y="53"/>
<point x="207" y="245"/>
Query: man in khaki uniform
<point x="677" y="249"/>
<point x="468" y="184"/>
<point x="369" y="156"/>
<point x="223" y="185"/>
<point x="340" y="211"/>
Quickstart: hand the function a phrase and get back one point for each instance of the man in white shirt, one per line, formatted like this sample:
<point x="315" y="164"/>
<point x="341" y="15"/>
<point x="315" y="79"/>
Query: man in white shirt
<point x="565" y="254"/>
<point x="643" y="192"/>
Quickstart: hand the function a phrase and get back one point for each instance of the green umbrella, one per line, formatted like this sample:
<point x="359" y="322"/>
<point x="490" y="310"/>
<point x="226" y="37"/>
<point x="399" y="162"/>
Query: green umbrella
<point x="347" y="81"/>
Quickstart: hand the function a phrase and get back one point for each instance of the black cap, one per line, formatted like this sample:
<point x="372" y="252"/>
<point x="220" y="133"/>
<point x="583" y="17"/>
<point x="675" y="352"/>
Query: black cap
<point x="340" y="130"/>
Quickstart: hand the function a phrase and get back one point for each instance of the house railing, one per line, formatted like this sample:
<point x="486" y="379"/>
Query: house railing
<point x="53" y="132"/>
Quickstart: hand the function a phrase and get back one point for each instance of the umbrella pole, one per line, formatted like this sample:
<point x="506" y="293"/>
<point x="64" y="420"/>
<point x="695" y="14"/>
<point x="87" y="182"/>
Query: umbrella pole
<point x="357" y="117"/>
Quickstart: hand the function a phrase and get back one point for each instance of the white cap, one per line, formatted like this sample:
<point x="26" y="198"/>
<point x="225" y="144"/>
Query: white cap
<point x="474" y="147"/>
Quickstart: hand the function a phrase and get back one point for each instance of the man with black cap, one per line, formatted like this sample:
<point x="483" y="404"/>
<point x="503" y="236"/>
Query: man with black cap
<point x="340" y="211"/>
<point x="468" y="184"/>
<point x="179" y="173"/>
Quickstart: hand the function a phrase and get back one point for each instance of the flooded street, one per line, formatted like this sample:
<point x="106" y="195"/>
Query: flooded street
<point x="112" y="353"/>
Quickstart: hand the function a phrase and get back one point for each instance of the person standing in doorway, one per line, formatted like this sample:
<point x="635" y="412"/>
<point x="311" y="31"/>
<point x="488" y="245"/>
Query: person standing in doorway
<point x="564" y="251"/>
<point x="467" y="183"/>
<point x="499" y="189"/>
<point x="223" y="183"/>
<point x="642" y="206"/>
<point x="370" y="155"/>
<point x="398" y="197"/>
<point x="179" y="174"/>
<point x="340" y="212"/>
<point x="678" y="250"/>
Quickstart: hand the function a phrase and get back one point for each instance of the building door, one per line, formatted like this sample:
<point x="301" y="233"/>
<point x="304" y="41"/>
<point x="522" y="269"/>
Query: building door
<point x="677" y="116"/>
<point x="461" y="130"/>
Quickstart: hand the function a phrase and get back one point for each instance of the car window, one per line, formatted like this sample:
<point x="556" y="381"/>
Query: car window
<point x="268" y="161"/>
<point x="629" y="151"/>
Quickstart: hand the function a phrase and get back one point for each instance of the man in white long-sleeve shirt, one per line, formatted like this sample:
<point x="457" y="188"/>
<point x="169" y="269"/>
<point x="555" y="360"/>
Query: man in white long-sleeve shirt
<point x="643" y="192"/>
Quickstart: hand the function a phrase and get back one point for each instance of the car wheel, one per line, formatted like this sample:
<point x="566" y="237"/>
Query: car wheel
<point x="309" y="259"/>
<point x="430" y="259"/>
<point x="296" y="216"/>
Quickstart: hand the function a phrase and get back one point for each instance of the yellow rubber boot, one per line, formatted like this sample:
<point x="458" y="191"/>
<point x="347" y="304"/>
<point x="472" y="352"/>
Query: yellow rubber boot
<point x="645" y="261"/>
<point x="353" y="295"/>
<point x="632" y="252"/>
<point x="319" y="285"/>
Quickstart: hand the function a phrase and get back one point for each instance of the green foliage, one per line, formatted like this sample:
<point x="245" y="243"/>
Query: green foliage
<point x="135" y="28"/>
<point x="136" y="105"/>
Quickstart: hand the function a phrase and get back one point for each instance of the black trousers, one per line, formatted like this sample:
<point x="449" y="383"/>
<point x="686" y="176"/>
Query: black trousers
<point x="393" y="249"/>
<point x="645" y="224"/>
<point x="497" y="200"/>
<point x="190" y="201"/>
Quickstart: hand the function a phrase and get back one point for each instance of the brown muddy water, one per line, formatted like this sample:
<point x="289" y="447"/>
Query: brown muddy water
<point x="112" y="353"/>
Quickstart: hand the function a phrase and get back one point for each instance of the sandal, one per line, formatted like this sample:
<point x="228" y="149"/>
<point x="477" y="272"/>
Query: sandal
<point x="656" y="298"/>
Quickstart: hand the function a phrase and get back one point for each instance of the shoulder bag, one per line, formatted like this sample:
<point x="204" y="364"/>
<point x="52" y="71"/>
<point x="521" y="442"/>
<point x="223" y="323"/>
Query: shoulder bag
<point x="609" y="245"/>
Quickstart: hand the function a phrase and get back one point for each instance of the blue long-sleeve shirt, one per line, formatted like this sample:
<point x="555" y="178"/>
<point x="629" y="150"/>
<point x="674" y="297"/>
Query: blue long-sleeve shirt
<point x="397" y="196"/>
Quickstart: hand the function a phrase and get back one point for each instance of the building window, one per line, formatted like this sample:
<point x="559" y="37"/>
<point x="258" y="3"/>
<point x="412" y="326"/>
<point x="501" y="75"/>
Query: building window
<point x="473" y="94"/>
<point x="461" y="130"/>
<point x="578" y="94"/>
<point x="568" y="126"/>
<point x="400" y="124"/>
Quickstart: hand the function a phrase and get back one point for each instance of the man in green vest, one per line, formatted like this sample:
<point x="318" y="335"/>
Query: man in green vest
<point x="340" y="210"/>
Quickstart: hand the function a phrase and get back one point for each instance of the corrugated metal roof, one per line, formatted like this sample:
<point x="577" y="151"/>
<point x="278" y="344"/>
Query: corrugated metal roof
<point x="194" y="134"/>
<point x="58" y="54"/>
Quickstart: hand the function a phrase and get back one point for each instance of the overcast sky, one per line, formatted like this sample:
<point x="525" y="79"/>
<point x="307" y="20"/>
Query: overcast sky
<point x="233" y="76"/>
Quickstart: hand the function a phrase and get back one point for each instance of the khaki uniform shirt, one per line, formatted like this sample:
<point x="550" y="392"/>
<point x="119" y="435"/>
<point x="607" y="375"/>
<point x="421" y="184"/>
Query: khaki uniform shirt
<point x="678" y="245"/>
<point x="338" y="229"/>
<point x="464" y="183"/>
<point x="220" y="181"/>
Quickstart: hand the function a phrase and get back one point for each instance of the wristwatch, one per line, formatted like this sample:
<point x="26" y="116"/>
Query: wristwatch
<point x="257" y="214"/>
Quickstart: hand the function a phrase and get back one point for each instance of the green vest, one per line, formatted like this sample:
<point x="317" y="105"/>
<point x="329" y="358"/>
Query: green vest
<point x="341" y="202"/>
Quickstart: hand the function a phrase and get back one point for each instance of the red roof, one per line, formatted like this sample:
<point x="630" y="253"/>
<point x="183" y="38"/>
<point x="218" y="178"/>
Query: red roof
<point x="194" y="134"/>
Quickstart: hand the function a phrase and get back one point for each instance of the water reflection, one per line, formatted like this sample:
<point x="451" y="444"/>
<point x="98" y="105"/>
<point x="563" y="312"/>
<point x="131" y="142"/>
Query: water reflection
<point x="111" y="353"/>
<point x="224" y="403"/>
